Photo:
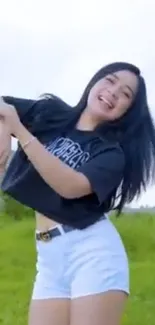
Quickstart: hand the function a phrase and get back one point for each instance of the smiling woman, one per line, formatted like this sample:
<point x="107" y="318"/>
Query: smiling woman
<point x="112" y="96"/>
<point x="72" y="166"/>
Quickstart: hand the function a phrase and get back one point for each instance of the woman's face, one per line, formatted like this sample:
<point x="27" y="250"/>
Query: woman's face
<point x="111" y="97"/>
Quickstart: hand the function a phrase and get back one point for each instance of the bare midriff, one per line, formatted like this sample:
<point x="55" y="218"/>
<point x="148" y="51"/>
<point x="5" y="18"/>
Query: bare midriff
<point x="43" y="223"/>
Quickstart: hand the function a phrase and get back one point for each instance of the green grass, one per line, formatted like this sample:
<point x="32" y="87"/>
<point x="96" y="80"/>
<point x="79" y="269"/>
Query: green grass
<point x="17" y="256"/>
<point x="138" y="234"/>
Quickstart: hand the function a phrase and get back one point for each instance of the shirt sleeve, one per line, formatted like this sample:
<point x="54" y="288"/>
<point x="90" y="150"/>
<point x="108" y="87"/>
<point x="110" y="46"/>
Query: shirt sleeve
<point x="105" y="172"/>
<point x="29" y="110"/>
<point x="23" y="106"/>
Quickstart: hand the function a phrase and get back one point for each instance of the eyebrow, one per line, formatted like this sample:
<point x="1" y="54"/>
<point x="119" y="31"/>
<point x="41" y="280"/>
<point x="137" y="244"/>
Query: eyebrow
<point x="116" y="77"/>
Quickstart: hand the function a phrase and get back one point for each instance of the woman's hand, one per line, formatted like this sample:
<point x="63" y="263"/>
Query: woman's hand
<point x="5" y="145"/>
<point x="9" y="116"/>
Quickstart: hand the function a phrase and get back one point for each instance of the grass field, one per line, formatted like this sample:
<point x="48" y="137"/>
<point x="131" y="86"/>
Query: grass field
<point x="17" y="256"/>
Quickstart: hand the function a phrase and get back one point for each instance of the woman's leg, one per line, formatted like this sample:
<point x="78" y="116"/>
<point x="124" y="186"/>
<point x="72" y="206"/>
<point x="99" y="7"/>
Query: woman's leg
<point x="50" y="304"/>
<point x="100" y="309"/>
<point x="49" y="312"/>
<point x="100" y="276"/>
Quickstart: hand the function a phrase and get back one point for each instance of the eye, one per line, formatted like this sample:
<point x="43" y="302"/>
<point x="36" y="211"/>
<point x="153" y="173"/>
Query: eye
<point x="111" y="80"/>
<point x="127" y="95"/>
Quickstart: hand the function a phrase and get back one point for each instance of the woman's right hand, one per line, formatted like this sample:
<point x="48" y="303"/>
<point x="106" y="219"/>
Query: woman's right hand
<point x="5" y="145"/>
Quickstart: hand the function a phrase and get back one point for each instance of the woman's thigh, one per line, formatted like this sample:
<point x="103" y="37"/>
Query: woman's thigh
<point x="49" y="312"/>
<point x="101" y="309"/>
<point x="50" y="303"/>
<point x="100" y="277"/>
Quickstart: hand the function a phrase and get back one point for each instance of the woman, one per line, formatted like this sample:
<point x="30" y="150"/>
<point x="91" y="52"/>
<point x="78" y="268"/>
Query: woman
<point x="72" y="166"/>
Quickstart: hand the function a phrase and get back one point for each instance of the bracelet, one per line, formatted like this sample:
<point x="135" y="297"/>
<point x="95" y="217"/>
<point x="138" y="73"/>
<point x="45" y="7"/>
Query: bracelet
<point x="28" y="142"/>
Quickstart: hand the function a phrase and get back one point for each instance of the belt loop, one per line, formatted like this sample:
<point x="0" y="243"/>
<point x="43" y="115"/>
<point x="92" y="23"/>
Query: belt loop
<point x="60" y="227"/>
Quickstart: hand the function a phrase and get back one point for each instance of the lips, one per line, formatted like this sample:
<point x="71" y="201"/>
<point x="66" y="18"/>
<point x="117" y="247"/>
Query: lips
<point x="106" y="101"/>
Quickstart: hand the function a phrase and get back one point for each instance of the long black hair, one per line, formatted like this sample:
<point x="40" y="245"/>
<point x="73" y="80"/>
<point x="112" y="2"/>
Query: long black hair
<point x="135" y="132"/>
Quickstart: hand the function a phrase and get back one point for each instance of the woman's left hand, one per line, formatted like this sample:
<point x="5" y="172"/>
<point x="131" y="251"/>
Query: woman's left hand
<point x="9" y="115"/>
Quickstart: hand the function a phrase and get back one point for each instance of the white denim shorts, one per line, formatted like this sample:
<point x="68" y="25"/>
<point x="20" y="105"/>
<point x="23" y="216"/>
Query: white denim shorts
<point x="81" y="263"/>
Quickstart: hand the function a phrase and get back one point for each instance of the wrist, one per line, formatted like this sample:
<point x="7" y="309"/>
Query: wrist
<point x="23" y="135"/>
<point x="19" y="130"/>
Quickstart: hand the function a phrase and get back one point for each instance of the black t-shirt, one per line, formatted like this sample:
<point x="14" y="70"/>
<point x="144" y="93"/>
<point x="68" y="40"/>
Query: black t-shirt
<point x="100" y="161"/>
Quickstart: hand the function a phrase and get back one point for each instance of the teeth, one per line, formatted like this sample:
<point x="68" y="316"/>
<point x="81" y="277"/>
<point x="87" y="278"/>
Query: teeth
<point x="106" y="101"/>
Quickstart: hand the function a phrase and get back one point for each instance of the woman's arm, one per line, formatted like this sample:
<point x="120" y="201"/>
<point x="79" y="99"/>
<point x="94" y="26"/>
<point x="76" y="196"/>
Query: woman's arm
<point x="5" y="146"/>
<point x="63" y="179"/>
<point x="23" y="106"/>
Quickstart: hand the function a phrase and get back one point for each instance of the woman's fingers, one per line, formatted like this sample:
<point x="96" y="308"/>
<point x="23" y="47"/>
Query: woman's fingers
<point x="4" y="157"/>
<point x="5" y="143"/>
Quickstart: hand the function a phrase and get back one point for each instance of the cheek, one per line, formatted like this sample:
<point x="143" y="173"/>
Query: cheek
<point x="123" y="106"/>
<point x="119" y="111"/>
<point x="93" y="94"/>
<point x="91" y="99"/>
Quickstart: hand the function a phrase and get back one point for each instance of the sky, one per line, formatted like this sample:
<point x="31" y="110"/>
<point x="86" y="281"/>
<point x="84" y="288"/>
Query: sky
<point x="56" y="46"/>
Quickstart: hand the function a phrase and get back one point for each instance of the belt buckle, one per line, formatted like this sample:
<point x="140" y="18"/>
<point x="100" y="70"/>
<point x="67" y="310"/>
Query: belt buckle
<point x="45" y="236"/>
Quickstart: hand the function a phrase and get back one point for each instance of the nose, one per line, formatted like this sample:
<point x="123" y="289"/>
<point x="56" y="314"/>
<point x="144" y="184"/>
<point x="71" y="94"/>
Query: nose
<point x="113" y="92"/>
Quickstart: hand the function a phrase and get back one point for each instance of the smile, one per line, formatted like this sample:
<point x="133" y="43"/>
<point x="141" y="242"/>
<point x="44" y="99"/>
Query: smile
<point x="101" y="98"/>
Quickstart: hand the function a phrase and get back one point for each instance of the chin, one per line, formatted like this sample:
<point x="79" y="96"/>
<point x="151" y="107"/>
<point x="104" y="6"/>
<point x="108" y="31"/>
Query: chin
<point x="103" y="117"/>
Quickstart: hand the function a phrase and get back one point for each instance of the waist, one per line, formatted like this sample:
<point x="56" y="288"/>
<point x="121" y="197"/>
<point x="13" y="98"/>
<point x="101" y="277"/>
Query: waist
<point x="43" y="223"/>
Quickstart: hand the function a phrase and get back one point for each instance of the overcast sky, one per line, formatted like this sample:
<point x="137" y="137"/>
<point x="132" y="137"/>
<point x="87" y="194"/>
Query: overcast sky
<point x="56" y="46"/>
